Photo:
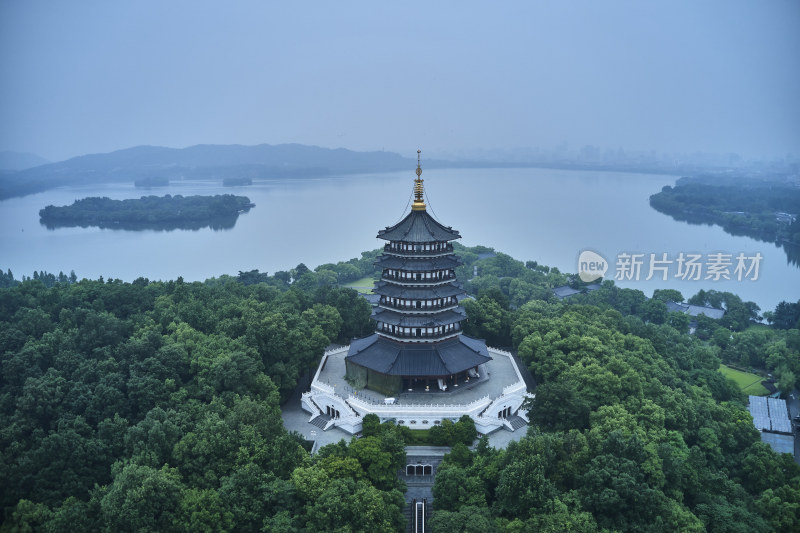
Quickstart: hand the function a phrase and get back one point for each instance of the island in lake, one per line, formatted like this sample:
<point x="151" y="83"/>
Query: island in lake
<point x="149" y="212"/>
<point x="150" y="182"/>
<point x="236" y="182"/>
<point x="766" y="210"/>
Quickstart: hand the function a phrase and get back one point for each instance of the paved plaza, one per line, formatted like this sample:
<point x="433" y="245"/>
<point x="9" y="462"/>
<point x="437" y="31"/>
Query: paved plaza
<point x="495" y="375"/>
<point x="295" y="419"/>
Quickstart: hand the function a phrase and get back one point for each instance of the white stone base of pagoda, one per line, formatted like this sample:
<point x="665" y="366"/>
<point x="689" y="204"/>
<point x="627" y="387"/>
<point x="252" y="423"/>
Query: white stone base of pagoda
<point x="488" y="402"/>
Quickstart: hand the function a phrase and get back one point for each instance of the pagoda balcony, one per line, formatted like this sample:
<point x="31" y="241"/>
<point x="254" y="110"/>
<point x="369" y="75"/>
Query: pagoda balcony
<point x="421" y="334"/>
<point x="395" y="250"/>
<point x="422" y="337"/>
<point x="418" y="280"/>
<point x="413" y="308"/>
<point x="431" y="338"/>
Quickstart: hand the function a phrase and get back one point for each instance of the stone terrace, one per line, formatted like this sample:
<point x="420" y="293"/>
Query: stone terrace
<point x="496" y="375"/>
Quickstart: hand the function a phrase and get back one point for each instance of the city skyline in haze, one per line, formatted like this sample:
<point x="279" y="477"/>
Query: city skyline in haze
<point x="454" y="78"/>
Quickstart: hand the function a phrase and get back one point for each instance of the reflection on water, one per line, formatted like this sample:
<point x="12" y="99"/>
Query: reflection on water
<point x="219" y="223"/>
<point x="701" y="219"/>
<point x="792" y="252"/>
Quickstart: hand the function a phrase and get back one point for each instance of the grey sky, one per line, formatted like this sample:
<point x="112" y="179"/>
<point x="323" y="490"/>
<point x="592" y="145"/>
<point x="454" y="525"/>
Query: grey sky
<point x="717" y="76"/>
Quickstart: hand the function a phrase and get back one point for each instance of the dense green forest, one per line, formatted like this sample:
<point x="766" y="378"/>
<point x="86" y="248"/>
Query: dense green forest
<point x="741" y="207"/>
<point x="149" y="212"/>
<point x="634" y="429"/>
<point x="154" y="406"/>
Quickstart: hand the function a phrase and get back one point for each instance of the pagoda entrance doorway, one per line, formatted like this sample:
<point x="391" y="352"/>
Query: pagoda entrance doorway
<point x="505" y="413"/>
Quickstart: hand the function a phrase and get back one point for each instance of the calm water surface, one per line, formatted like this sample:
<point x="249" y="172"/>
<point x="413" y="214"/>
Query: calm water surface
<point x="532" y="214"/>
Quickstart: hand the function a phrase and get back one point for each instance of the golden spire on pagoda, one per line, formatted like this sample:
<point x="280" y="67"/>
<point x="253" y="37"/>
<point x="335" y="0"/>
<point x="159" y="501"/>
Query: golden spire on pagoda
<point x="419" y="203"/>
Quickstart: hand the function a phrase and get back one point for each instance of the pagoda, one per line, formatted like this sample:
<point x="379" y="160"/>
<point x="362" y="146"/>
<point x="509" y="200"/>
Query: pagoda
<point x="418" y="341"/>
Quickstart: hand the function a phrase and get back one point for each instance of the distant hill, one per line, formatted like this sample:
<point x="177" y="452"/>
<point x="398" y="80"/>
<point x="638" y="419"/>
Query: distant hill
<point x="200" y="162"/>
<point x="20" y="160"/>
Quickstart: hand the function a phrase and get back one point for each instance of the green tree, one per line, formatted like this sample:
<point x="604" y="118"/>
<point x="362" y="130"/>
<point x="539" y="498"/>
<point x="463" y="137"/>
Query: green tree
<point x="654" y="311"/>
<point x="380" y="466"/>
<point x="142" y="498"/>
<point x="467" y="519"/>
<point x="454" y="487"/>
<point x="347" y="505"/>
<point x="679" y="321"/>
<point x="667" y="295"/>
<point x="487" y="319"/>
<point x="523" y="488"/>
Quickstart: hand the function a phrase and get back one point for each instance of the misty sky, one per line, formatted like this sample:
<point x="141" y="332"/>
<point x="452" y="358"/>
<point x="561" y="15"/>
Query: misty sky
<point x="449" y="77"/>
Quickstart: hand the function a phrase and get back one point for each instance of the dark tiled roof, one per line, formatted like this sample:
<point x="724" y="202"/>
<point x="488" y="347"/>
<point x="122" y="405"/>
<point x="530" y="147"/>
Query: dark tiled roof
<point x="400" y="291"/>
<point x="564" y="291"/>
<point x="410" y="320"/>
<point x="710" y="312"/>
<point x="373" y="299"/>
<point x="674" y="307"/>
<point x="401" y="359"/>
<point x="418" y="263"/>
<point x="695" y="310"/>
<point x="418" y="226"/>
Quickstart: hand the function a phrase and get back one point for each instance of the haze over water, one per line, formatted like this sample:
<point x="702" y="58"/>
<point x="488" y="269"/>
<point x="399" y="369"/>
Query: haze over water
<point x="545" y="215"/>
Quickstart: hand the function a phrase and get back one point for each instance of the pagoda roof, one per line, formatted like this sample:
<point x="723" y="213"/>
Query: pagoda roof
<point x="412" y="320"/>
<point x="418" y="226"/>
<point x="394" y="358"/>
<point x="384" y="288"/>
<point x="418" y="263"/>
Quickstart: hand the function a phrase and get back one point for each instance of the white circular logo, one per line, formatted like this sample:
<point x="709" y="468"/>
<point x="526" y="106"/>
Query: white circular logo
<point x="591" y="266"/>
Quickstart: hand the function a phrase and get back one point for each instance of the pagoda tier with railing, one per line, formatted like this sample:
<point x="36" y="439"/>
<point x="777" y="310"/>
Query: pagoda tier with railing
<point x="418" y="339"/>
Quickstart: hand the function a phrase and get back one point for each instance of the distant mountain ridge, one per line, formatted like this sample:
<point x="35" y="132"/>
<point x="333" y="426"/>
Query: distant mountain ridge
<point x="204" y="161"/>
<point x="14" y="161"/>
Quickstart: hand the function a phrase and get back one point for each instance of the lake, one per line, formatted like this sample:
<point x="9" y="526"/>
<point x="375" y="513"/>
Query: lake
<point x="545" y="215"/>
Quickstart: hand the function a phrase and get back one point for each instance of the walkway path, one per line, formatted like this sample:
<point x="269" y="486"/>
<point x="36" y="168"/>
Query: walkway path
<point x="793" y="404"/>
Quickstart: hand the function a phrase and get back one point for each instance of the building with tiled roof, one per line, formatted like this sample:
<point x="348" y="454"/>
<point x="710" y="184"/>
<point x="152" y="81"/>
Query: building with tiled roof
<point x="418" y="339"/>
<point x="418" y="368"/>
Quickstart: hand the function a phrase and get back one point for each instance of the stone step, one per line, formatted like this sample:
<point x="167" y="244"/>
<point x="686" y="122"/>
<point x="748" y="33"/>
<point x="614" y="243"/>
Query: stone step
<point x="410" y="513"/>
<point x="516" y="422"/>
<point x="320" y="421"/>
<point x="409" y="519"/>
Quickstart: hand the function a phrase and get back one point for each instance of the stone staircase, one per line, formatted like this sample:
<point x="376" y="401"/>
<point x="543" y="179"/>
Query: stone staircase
<point x="516" y="422"/>
<point x="321" y="421"/>
<point x="421" y="522"/>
